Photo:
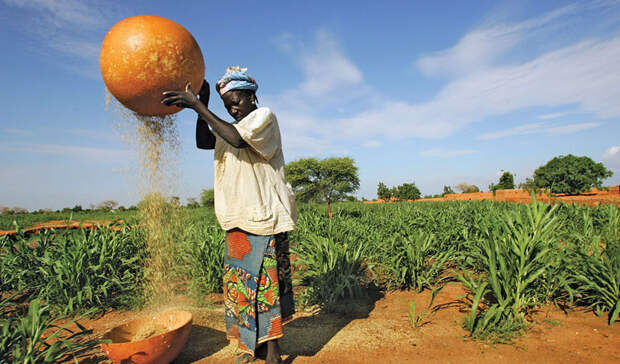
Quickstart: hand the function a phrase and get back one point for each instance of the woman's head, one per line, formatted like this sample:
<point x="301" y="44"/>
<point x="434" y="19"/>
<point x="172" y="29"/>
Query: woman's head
<point x="239" y="103"/>
<point x="238" y="91"/>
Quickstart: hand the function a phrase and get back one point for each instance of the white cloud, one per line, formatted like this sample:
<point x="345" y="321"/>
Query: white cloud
<point x="328" y="68"/>
<point x="68" y="28"/>
<point x="554" y="115"/>
<point x="583" y="76"/>
<point x="611" y="157"/>
<point x="572" y="128"/>
<point x="446" y="153"/>
<point x="325" y="66"/>
<point x="480" y="48"/>
<point x="612" y="152"/>
<point x="538" y="128"/>
<point x="518" y="130"/>
<point x="475" y="51"/>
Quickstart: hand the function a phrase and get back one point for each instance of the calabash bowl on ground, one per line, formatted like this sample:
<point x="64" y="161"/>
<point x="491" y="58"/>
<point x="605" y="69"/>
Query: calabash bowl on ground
<point x="171" y="330"/>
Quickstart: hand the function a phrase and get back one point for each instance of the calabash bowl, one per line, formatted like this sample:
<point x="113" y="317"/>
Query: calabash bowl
<point x="163" y="347"/>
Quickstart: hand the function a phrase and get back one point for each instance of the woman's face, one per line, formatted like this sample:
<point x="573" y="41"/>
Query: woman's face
<point x="239" y="103"/>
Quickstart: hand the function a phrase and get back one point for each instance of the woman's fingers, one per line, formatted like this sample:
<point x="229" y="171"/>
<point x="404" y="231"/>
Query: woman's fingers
<point x="172" y="100"/>
<point x="170" y="93"/>
<point x="179" y="98"/>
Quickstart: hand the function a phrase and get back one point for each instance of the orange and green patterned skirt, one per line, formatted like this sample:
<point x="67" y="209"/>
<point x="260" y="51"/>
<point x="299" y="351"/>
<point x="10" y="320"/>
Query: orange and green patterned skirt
<point x="258" y="289"/>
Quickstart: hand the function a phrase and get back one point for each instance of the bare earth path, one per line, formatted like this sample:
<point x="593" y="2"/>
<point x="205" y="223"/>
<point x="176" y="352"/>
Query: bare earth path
<point x="378" y="331"/>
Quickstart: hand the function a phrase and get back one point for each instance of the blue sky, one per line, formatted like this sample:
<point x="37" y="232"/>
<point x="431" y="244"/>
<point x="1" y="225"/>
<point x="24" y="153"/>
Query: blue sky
<point x="435" y="93"/>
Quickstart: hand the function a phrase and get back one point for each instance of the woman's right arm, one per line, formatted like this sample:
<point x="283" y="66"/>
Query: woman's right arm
<point x="200" y="104"/>
<point x="205" y="139"/>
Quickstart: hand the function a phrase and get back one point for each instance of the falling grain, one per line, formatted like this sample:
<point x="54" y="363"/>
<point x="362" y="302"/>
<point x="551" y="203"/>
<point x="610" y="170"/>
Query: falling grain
<point x="157" y="144"/>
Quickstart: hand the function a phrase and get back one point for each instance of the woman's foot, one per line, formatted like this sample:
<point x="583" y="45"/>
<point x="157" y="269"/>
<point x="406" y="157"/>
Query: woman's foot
<point x="273" y="353"/>
<point x="244" y="358"/>
<point x="261" y="351"/>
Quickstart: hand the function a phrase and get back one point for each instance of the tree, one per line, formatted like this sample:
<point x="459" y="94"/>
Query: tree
<point x="107" y="205"/>
<point x="192" y="202"/>
<point x="383" y="192"/>
<point x="506" y="182"/>
<point x="407" y="191"/>
<point x="529" y="185"/>
<point x="207" y="197"/>
<point x="5" y="210"/>
<point x="571" y="174"/>
<point x="326" y="180"/>
<point x="466" y="188"/>
<point x="447" y="190"/>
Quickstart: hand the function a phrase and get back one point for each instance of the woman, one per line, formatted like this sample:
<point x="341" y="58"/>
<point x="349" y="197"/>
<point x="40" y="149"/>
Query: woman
<point x="256" y="207"/>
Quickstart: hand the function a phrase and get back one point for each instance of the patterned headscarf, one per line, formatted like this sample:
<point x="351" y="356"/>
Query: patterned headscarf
<point x="236" y="78"/>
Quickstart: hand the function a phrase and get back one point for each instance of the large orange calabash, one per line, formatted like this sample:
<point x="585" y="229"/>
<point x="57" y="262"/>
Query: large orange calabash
<point x="145" y="55"/>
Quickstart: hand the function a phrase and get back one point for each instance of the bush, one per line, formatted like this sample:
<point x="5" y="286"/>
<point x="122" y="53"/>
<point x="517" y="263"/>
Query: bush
<point x="506" y="182"/>
<point x="415" y="260"/>
<point x="407" y="191"/>
<point x="76" y="270"/>
<point x="447" y="190"/>
<point x="207" y="197"/>
<point x="24" y="337"/>
<point x="330" y="271"/>
<point x="383" y="192"/>
<point x="202" y="258"/>
<point x="595" y="279"/>
<point x="465" y="188"/>
<point x="514" y="256"/>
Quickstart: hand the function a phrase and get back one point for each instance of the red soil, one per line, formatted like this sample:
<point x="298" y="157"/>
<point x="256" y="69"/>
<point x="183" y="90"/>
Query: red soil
<point x="379" y="331"/>
<point x="68" y="224"/>
<point x="593" y="198"/>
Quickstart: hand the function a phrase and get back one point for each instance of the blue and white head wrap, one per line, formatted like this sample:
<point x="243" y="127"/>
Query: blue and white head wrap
<point x="236" y="78"/>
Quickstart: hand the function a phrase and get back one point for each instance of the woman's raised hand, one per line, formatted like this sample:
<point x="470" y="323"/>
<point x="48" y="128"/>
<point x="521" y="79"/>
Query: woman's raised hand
<point x="181" y="98"/>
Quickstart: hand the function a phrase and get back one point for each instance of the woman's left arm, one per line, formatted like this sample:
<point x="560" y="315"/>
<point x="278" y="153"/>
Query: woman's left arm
<point x="204" y="137"/>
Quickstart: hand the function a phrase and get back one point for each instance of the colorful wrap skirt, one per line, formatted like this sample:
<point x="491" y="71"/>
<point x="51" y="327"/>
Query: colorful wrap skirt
<point x="258" y="289"/>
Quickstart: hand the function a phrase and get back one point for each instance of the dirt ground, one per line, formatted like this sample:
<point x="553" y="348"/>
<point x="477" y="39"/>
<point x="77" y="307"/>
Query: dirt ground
<point x="594" y="197"/>
<point x="64" y="224"/>
<point x="378" y="330"/>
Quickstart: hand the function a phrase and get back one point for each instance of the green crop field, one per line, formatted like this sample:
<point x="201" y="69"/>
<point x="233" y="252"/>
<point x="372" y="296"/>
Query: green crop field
<point x="510" y="258"/>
